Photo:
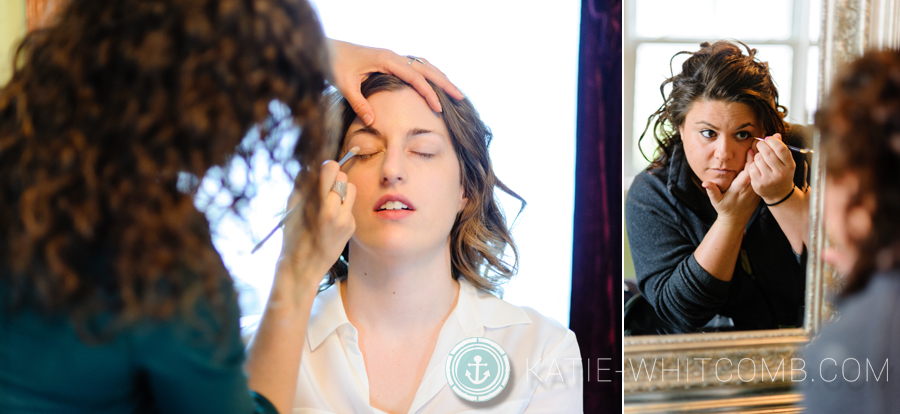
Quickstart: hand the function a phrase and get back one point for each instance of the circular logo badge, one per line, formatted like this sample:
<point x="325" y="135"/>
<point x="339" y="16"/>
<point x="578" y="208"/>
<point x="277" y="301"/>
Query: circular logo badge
<point x="477" y="369"/>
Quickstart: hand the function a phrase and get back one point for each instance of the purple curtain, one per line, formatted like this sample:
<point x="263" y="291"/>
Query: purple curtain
<point x="596" y="308"/>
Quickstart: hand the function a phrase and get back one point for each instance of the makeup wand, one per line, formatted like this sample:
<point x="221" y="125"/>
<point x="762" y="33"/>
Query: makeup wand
<point x="353" y="151"/>
<point x="792" y="148"/>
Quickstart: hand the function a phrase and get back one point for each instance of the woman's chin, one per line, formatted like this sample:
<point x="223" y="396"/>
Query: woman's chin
<point x="392" y="245"/>
<point x="724" y="183"/>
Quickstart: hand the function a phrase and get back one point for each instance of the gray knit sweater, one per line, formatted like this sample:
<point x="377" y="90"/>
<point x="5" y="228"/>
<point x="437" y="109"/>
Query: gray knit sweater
<point x="667" y="215"/>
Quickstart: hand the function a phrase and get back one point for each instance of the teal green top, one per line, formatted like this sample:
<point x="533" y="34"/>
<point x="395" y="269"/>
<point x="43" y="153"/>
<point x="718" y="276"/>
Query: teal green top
<point x="165" y="367"/>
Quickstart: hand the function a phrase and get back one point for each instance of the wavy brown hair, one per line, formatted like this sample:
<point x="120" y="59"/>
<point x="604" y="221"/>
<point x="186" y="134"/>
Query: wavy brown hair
<point x="717" y="72"/>
<point x="113" y="115"/>
<point x="480" y="236"/>
<point x="860" y="133"/>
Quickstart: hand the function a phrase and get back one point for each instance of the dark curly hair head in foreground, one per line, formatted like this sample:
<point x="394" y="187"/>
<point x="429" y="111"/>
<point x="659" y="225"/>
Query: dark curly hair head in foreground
<point x="717" y="72"/>
<point x="107" y="108"/>
<point x="480" y="236"/>
<point x="860" y="134"/>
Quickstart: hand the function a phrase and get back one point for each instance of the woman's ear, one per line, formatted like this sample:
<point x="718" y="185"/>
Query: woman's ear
<point x="463" y="200"/>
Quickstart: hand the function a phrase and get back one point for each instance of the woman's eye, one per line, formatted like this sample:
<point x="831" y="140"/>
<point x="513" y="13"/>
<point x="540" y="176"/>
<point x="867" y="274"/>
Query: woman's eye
<point x="744" y="135"/>
<point x="364" y="157"/>
<point x="708" y="133"/>
<point x="423" y="154"/>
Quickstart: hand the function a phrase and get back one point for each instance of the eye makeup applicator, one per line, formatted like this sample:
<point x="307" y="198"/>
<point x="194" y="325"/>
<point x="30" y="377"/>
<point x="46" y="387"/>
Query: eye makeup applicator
<point x="791" y="147"/>
<point x="353" y="151"/>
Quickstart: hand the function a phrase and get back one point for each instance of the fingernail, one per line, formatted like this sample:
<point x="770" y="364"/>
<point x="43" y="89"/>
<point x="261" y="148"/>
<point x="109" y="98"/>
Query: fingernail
<point x="367" y="119"/>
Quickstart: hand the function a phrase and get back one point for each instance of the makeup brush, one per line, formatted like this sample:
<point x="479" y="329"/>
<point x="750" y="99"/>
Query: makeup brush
<point x="792" y="148"/>
<point x="353" y="151"/>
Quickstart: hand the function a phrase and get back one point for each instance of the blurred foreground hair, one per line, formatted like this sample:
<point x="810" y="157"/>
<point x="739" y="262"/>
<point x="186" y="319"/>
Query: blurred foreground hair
<point x="114" y="114"/>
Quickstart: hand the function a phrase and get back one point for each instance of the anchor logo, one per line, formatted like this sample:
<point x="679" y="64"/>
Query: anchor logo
<point x="491" y="369"/>
<point x="478" y="366"/>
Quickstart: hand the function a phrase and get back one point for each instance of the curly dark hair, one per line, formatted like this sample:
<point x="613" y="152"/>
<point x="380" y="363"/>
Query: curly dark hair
<point x="717" y="72"/>
<point x="480" y="236"/>
<point x="113" y="115"/>
<point x="860" y="133"/>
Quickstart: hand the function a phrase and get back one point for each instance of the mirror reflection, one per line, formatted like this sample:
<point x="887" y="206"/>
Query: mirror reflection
<point x="718" y="221"/>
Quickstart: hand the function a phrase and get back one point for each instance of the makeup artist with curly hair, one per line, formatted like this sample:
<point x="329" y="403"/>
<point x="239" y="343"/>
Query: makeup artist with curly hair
<point x="112" y="296"/>
<point x="718" y="223"/>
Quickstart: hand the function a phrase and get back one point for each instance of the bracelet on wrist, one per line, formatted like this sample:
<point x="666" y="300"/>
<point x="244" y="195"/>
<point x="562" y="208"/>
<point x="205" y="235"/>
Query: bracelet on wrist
<point x="783" y="199"/>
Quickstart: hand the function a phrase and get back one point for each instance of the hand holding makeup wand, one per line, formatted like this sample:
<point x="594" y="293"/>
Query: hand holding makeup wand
<point x="353" y="151"/>
<point x="304" y="260"/>
<point x="771" y="169"/>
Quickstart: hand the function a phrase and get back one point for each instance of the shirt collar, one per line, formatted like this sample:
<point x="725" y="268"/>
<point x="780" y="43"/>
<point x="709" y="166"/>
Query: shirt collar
<point x="475" y="310"/>
<point x="326" y="316"/>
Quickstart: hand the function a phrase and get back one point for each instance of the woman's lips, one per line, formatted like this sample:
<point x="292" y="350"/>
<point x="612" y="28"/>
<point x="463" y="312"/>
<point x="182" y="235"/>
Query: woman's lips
<point x="393" y="214"/>
<point x="722" y="171"/>
<point x="393" y="207"/>
<point x="393" y="198"/>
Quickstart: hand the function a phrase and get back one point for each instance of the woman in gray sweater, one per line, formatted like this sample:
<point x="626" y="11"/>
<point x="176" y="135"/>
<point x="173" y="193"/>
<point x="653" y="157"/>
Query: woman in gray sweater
<point x="718" y="222"/>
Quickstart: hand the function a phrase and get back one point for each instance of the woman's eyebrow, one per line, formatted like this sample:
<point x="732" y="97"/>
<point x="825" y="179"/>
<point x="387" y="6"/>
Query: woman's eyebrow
<point x="750" y="124"/>
<point x="422" y="131"/>
<point x="372" y="131"/>
<point x="365" y="130"/>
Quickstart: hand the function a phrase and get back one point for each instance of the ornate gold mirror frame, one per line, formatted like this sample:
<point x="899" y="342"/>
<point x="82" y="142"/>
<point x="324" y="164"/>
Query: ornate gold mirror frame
<point x="756" y="370"/>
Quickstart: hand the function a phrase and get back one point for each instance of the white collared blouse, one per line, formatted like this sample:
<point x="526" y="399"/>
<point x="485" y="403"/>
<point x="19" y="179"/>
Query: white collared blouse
<point x="546" y="369"/>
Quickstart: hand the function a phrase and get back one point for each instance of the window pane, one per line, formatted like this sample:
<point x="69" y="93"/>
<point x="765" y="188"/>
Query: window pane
<point x="709" y="19"/>
<point x="815" y="20"/>
<point x="812" y="83"/>
<point x="781" y="65"/>
<point x="651" y="69"/>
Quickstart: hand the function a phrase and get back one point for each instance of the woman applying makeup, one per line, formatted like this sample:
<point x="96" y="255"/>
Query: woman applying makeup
<point x="112" y="296"/>
<point x="424" y="265"/>
<point x="718" y="223"/>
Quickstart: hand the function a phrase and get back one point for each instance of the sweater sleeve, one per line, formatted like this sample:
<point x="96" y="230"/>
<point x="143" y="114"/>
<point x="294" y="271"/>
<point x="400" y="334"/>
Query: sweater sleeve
<point x="679" y="289"/>
<point x="194" y="364"/>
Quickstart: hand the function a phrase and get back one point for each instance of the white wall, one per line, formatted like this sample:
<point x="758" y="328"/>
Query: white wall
<point x="12" y="29"/>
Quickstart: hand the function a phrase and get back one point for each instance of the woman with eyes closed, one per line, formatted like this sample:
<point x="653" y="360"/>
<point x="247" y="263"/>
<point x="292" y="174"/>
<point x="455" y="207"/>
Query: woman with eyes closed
<point x="718" y="223"/>
<point x="113" y="298"/>
<point x="422" y="270"/>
